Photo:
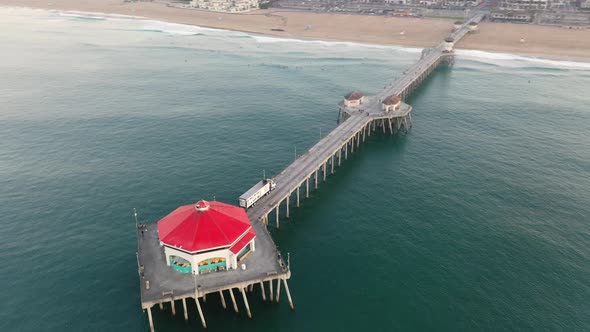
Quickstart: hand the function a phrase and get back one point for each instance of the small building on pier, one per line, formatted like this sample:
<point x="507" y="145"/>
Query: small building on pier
<point x="449" y="43"/>
<point x="206" y="237"/>
<point x="458" y="24"/>
<point x="354" y="99"/>
<point x="391" y="103"/>
<point x="472" y="26"/>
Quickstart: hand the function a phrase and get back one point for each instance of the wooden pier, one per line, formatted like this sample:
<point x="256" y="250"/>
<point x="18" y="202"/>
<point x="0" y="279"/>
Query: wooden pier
<point x="160" y="285"/>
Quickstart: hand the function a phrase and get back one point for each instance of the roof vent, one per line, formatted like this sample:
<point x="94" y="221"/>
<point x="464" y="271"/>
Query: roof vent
<point x="202" y="206"/>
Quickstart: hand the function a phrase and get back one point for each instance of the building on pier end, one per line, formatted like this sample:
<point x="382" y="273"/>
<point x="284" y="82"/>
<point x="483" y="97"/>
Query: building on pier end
<point x="391" y="103"/>
<point x="205" y="237"/>
<point x="354" y="99"/>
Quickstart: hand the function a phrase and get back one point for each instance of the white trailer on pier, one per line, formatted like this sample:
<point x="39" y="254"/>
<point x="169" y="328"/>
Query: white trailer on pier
<point x="260" y="189"/>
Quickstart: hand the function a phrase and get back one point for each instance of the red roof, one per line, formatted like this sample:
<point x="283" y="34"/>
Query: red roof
<point x="236" y="248"/>
<point x="204" y="225"/>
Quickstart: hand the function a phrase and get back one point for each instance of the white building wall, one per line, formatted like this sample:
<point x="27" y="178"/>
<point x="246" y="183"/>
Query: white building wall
<point x="194" y="259"/>
<point x="231" y="6"/>
<point x="230" y="259"/>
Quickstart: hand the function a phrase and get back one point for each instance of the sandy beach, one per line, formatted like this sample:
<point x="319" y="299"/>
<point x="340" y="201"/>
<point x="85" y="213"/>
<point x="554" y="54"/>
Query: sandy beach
<point x="541" y="41"/>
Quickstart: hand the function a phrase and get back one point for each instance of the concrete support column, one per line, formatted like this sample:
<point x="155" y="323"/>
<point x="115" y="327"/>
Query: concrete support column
<point x="201" y="313"/>
<point x="352" y="144"/>
<point x="332" y="164"/>
<point x="246" y="303"/>
<point x="346" y="151"/>
<point x="150" y="319"/>
<point x="288" y="295"/>
<point x="184" y="309"/>
<point x="298" y="187"/>
<point x="271" y="290"/>
<point x="262" y="290"/>
<point x="383" y="125"/>
<point x="161" y="306"/>
<point x="173" y="307"/>
<point x="278" y="289"/>
<point x="324" y="171"/>
<point x="358" y="139"/>
<point x="339" y="157"/>
<point x="316" y="179"/>
<point x="288" y="205"/>
<point x="278" y="210"/>
<point x="222" y="299"/>
<point x="204" y="298"/>
<point x="307" y="188"/>
<point x="233" y="299"/>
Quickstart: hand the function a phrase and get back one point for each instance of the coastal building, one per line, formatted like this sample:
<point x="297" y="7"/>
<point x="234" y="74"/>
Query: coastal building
<point x="391" y="103"/>
<point x="206" y="237"/>
<point x="524" y="4"/>
<point x="230" y="6"/>
<point x="353" y="99"/>
<point x="472" y="26"/>
<point x="458" y="24"/>
<point x="522" y="16"/>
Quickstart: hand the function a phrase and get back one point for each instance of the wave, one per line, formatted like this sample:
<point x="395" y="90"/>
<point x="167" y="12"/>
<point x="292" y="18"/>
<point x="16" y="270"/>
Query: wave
<point x="519" y="61"/>
<point x="182" y="29"/>
<point x="83" y="16"/>
<point x="268" y="39"/>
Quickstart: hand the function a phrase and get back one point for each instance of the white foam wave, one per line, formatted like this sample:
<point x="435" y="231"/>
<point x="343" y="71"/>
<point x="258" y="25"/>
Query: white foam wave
<point x="180" y="29"/>
<point x="267" y="39"/>
<point x="93" y="15"/>
<point x="81" y="15"/>
<point x="518" y="61"/>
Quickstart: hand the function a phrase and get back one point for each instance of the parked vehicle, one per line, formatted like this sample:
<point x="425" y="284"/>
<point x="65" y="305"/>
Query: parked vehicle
<point x="250" y="197"/>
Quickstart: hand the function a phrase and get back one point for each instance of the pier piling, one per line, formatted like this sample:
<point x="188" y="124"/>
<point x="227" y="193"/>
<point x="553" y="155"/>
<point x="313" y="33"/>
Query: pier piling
<point x="246" y="303"/>
<point x="288" y="295"/>
<point x="278" y="289"/>
<point x="200" y="313"/>
<point x="270" y="290"/>
<point x="184" y="308"/>
<point x="150" y="319"/>
<point x="233" y="300"/>
<point x="222" y="299"/>
<point x="262" y="290"/>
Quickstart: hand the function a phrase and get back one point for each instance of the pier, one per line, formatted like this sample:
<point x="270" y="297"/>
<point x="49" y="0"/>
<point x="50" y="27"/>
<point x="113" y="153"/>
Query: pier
<point x="266" y="268"/>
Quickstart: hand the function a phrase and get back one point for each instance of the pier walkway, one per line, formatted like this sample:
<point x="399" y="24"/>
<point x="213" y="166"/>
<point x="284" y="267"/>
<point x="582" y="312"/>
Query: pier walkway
<point x="358" y="123"/>
<point x="159" y="284"/>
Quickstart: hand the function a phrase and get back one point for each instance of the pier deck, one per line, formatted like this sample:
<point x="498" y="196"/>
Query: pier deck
<point x="160" y="284"/>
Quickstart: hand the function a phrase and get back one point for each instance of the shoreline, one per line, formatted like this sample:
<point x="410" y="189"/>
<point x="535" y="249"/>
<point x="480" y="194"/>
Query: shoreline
<point x="433" y="30"/>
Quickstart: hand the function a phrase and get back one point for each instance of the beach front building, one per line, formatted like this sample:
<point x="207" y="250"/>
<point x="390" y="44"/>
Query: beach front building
<point x="524" y="4"/>
<point x="230" y="6"/>
<point x="206" y="237"/>
<point x="522" y="16"/>
<point x="353" y="99"/>
<point x="391" y="103"/>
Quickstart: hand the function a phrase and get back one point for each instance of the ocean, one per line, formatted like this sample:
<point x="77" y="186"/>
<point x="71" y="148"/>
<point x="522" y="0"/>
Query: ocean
<point x="477" y="219"/>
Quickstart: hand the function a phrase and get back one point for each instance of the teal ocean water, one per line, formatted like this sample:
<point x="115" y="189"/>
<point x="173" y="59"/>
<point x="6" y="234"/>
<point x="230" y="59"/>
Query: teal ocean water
<point x="478" y="219"/>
